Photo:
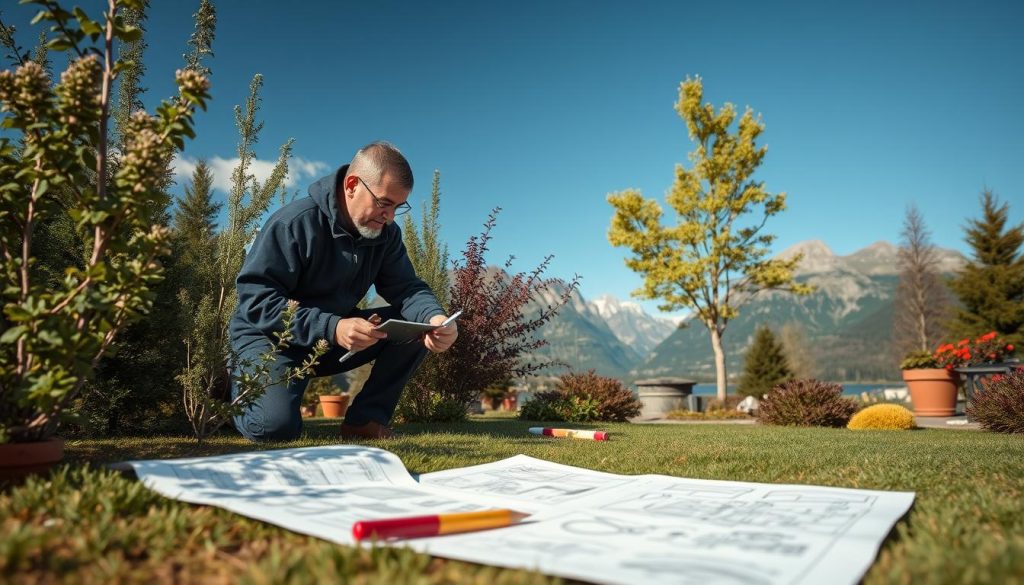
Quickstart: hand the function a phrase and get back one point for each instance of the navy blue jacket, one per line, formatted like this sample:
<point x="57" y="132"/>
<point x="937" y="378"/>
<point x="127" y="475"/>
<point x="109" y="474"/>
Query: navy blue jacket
<point x="304" y="252"/>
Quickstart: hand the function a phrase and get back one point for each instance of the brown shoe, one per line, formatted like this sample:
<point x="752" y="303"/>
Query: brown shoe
<point x="371" y="430"/>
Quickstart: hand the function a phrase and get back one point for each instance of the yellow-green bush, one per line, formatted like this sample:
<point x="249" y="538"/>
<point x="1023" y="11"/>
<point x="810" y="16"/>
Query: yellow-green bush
<point x="891" y="417"/>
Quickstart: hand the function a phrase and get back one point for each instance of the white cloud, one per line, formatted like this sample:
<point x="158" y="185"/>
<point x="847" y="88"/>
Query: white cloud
<point x="300" y="170"/>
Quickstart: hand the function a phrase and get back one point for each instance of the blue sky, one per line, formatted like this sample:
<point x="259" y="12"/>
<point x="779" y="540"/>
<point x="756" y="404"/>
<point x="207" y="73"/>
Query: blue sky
<point x="543" y="108"/>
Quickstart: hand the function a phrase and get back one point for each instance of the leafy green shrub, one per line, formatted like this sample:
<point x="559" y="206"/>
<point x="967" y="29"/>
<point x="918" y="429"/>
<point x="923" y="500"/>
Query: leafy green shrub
<point x="613" y="401"/>
<point x="554" y="405"/>
<point x="917" y="360"/>
<point x="1000" y="406"/>
<point x="430" y="408"/>
<point x="584" y="397"/>
<point x="807" y="402"/>
<point x="891" y="417"/>
<point x="548" y="405"/>
<point x="55" y="159"/>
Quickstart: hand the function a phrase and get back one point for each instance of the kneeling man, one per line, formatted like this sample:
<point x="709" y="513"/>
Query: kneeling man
<point x="325" y="251"/>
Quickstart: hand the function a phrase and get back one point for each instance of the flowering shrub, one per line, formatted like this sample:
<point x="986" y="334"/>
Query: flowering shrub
<point x="807" y="403"/>
<point x="1000" y="406"/>
<point x="982" y="350"/>
<point x="891" y="417"/>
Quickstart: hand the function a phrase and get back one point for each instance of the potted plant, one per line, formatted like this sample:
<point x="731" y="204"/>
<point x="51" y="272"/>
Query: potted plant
<point x="57" y="320"/>
<point x="511" y="400"/>
<point x="492" y="397"/>
<point x="332" y="399"/>
<point x="933" y="389"/>
<point x="932" y="378"/>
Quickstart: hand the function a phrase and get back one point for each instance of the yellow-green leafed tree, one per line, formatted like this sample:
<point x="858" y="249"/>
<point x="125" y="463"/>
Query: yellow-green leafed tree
<point x="714" y="258"/>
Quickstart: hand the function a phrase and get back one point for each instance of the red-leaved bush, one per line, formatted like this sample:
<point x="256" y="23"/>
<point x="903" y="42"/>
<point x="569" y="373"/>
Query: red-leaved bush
<point x="806" y="403"/>
<point x="494" y="334"/>
<point x="1000" y="406"/>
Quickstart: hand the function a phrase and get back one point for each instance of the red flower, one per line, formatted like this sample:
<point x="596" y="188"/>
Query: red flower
<point x="987" y="348"/>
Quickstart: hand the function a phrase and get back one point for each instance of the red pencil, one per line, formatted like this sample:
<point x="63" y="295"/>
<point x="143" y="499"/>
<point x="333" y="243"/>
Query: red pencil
<point x="434" y="525"/>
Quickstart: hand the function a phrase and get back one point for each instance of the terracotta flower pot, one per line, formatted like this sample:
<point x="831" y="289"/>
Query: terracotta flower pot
<point x="334" y="405"/>
<point x="18" y="460"/>
<point x="932" y="391"/>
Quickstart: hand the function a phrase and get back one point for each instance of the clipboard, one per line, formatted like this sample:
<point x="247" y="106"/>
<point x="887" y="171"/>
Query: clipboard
<point x="399" y="331"/>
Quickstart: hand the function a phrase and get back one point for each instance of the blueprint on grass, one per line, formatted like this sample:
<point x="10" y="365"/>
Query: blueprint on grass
<point x="584" y="524"/>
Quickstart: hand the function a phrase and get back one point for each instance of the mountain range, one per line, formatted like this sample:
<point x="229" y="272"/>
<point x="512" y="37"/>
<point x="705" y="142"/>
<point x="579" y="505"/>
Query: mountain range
<point x="845" y="326"/>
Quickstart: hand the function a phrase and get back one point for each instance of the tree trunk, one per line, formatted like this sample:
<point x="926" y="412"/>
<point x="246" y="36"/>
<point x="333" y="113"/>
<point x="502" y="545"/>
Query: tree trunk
<point x="716" y="344"/>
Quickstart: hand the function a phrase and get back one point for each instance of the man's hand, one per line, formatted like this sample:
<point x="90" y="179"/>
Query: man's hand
<point x="441" y="338"/>
<point x="357" y="334"/>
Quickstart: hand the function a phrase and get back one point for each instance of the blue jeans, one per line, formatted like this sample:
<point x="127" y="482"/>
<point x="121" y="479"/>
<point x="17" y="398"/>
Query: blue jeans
<point x="275" y="415"/>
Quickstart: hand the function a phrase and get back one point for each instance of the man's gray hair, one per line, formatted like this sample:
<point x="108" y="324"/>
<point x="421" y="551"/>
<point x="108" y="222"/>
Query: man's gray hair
<point x="377" y="159"/>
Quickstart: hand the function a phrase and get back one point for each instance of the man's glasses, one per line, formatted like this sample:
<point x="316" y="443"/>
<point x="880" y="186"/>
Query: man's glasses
<point x="399" y="209"/>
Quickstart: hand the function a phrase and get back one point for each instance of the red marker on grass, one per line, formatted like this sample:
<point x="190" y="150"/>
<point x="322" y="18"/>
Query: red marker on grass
<point x="570" y="433"/>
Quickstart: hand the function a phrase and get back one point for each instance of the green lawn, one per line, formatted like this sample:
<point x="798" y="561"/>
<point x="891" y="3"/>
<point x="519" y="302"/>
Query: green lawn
<point x="89" y="525"/>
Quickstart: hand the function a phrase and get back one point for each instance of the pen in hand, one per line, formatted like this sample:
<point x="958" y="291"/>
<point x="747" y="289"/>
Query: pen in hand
<point x="374" y="320"/>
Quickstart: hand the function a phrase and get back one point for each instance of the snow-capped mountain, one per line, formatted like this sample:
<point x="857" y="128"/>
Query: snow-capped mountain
<point x="631" y="324"/>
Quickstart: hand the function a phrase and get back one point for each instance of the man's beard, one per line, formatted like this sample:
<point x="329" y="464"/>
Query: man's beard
<point x="368" y="232"/>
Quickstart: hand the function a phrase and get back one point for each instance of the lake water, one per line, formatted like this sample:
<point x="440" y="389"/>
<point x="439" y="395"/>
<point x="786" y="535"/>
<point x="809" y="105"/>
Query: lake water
<point x="848" y="389"/>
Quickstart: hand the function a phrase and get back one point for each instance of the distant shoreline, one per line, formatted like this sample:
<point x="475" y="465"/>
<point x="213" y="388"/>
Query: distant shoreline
<point x="849" y="388"/>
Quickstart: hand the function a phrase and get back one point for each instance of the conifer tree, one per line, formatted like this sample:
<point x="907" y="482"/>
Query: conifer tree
<point x="991" y="286"/>
<point x="429" y="255"/>
<point x="764" y="366"/>
<point x="135" y="389"/>
<point x="194" y="232"/>
<point x="207" y="312"/>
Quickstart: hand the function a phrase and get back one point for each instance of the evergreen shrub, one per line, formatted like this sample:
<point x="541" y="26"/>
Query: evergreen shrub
<point x="892" y="417"/>
<point x="806" y="403"/>
<point x="764" y="366"/>
<point x="1000" y="406"/>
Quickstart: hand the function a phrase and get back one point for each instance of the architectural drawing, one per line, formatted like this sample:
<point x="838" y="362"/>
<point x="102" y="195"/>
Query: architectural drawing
<point x="528" y="482"/>
<point x="584" y="524"/>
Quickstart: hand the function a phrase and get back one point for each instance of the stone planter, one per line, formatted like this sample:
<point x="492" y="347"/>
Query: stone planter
<point x="932" y="391"/>
<point x="662" y="395"/>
